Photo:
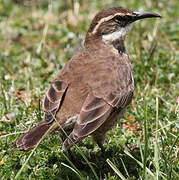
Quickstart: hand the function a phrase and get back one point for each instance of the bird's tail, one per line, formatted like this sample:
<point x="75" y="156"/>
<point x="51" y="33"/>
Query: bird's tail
<point x="32" y="137"/>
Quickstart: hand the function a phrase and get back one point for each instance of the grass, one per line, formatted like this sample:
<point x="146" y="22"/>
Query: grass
<point x="36" y="39"/>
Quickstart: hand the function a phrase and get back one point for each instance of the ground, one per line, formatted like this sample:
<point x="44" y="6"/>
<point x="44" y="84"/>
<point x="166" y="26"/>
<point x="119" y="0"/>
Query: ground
<point x="36" y="39"/>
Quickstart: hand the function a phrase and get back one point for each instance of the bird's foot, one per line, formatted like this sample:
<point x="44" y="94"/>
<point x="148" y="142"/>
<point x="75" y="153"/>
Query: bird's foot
<point x="74" y="159"/>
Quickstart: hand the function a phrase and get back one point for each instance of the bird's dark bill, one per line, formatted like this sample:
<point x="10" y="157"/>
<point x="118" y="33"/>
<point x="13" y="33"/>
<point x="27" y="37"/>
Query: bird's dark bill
<point x="142" y="15"/>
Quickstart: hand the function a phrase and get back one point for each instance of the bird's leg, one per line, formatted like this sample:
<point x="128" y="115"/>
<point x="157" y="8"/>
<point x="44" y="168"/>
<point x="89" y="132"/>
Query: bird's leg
<point x="74" y="159"/>
<point x="99" y="139"/>
<point x="71" y="155"/>
<point x="100" y="144"/>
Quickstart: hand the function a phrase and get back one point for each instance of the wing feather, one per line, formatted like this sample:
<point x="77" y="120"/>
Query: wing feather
<point x="88" y="128"/>
<point x="94" y="112"/>
<point x="53" y="99"/>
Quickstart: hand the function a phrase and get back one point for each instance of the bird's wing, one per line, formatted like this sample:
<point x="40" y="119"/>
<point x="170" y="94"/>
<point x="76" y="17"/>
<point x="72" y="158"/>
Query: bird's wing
<point x="109" y="89"/>
<point x="96" y="110"/>
<point x="53" y="99"/>
<point x="93" y="113"/>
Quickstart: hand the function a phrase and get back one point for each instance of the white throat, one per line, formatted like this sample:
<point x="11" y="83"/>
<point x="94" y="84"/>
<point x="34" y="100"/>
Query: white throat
<point x="109" y="38"/>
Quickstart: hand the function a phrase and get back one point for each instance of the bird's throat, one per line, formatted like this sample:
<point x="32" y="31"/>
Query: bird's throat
<point x="119" y="45"/>
<point x="117" y="38"/>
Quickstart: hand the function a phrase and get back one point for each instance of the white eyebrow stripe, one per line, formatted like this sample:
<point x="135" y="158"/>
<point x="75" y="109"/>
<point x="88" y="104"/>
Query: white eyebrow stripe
<point x="107" y="19"/>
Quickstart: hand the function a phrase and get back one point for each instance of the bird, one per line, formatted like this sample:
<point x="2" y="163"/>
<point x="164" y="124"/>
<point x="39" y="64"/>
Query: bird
<point x="92" y="91"/>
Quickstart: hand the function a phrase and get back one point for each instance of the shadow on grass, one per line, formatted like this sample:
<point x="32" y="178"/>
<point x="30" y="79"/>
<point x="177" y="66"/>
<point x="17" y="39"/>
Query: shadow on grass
<point x="127" y="166"/>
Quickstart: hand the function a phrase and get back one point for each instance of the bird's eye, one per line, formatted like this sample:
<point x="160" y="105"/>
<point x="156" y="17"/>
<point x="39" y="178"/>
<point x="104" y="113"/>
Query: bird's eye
<point x="119" y="18"/>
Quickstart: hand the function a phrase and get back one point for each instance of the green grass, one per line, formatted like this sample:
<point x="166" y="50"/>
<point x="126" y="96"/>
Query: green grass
<point x="37" y="39"/>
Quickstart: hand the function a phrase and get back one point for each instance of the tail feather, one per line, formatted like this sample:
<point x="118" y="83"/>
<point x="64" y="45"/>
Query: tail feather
<point x="31" y="138"/>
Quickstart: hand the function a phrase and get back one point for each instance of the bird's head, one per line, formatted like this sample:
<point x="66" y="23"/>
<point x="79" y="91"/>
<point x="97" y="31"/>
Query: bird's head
<point x="113" y="23"/>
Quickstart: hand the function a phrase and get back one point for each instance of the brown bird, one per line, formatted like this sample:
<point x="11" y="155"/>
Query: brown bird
<point x="92" y="91"/>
